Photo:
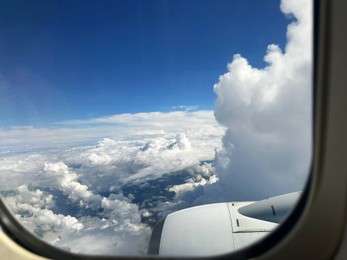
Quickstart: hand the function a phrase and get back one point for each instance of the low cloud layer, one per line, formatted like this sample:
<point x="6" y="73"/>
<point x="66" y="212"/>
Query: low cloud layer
<point x="103" y="198"/>
<point x="122" y="126"/>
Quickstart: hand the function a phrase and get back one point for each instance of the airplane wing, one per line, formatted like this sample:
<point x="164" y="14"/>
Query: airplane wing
<point x="218" y="228"/>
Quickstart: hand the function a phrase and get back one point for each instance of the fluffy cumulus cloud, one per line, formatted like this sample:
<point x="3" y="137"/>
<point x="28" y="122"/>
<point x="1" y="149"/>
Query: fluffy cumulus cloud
<point x="267" y="112"/>
<point x="205" y="175"/>
<point x="117" y="226"/>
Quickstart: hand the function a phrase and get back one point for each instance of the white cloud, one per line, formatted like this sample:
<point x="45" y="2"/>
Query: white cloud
<point x="34" y="209"/>
<point x="162" y="156"/>
<point x="204" y="175"/>
<point x="267" y="147"/>
<point x="153" y="119"/>
<point x="118" y="231"/>
<point x="185" y="108"/>
<point x="142" y="125"/>
<point x="66" y="181"/>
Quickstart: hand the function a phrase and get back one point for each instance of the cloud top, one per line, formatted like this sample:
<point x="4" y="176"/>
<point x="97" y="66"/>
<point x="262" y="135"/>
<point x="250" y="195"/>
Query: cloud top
<point x="267" y="147"/>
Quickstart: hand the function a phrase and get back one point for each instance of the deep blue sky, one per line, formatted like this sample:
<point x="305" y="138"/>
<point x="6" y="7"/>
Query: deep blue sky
<point x="62" y="60"/>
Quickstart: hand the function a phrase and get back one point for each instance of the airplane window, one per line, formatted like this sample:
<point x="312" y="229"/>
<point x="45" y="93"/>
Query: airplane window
<point x="170" y="127"/>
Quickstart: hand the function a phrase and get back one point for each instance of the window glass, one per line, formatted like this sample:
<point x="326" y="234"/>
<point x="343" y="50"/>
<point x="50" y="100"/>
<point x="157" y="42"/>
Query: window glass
<point x="115" y="114"/>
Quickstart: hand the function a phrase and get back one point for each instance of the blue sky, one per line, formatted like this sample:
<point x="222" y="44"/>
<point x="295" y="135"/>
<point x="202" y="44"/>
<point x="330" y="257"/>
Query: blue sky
<point x="66" y="60"/>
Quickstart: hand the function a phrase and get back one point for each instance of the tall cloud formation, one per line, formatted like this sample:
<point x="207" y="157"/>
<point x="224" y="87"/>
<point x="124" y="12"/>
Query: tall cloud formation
<point x="267" y="147"/>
